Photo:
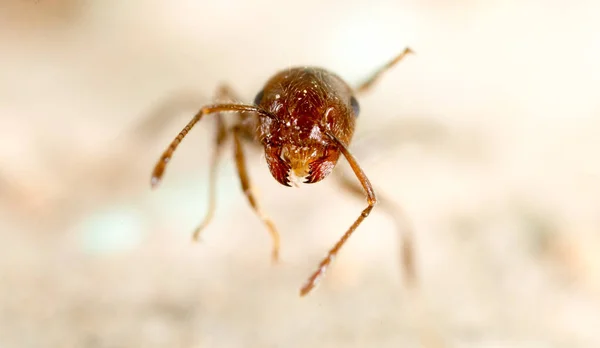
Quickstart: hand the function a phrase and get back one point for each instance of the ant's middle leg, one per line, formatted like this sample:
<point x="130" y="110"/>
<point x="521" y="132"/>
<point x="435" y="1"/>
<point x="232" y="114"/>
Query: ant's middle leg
<point x="400" y="219"/>
<point x="220" y="138"/>
<point x="224" y="94"/>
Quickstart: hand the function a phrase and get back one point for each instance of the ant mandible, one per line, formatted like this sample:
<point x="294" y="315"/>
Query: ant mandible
<point x="304" y="117"/>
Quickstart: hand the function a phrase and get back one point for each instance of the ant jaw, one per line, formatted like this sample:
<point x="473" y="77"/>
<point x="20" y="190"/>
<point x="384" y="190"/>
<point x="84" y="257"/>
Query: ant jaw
<point x="279" y="168"/>
<point x="294" y="179"/>
<point x="299" y="173"/>
<point x="300" y="165"/>
<point x="319" y="170"/>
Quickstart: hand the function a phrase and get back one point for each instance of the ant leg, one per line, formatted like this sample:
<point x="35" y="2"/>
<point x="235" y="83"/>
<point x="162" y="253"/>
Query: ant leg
<point x="365" y="86"/>
<point x="224" y="94"/>
<point x="400" y="219"/>
<point x="240" y="162"/>
<point x="371" y="201"/>
<point x="220" y="138"/>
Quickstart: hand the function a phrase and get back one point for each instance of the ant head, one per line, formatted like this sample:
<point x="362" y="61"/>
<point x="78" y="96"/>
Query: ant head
<point x="312" y="110"/>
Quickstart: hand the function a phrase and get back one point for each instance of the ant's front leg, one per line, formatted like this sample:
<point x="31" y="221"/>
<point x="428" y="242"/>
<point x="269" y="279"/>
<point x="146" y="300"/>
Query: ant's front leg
<point x="240" y="161"/>
<point x="226" y="95"/>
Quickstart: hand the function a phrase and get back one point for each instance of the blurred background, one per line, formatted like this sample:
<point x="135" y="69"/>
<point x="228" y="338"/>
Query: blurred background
<point x="487" y="138"/>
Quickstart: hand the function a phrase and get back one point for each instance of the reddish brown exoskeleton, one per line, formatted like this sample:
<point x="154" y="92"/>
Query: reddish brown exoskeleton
<point x="304" y="118"/>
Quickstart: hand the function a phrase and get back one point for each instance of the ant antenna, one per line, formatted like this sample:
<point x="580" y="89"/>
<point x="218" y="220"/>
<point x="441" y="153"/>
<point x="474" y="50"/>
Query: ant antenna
<point x="160" y="166"/>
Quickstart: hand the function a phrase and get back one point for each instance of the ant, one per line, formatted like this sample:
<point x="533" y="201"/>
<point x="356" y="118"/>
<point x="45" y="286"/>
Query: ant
<point x="304" y="117"/>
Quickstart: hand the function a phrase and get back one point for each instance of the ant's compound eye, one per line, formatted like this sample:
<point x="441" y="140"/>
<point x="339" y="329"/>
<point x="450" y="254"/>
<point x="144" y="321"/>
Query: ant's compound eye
<point x="259" y="97"/>
<point x="355" y="106"/>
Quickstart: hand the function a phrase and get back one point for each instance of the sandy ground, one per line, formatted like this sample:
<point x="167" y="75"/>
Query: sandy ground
<point x="487" y="137"/>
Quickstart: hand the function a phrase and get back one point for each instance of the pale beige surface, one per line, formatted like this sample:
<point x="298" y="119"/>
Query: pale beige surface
<point x="488" y="137"/>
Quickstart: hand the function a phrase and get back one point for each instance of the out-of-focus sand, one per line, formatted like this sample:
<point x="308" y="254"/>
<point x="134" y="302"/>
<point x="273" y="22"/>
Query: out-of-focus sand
<point x="487" y="137"/>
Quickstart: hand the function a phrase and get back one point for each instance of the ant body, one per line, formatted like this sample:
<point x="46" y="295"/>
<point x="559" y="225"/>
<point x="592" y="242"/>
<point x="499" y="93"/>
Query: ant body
<point x="304" y="117"/>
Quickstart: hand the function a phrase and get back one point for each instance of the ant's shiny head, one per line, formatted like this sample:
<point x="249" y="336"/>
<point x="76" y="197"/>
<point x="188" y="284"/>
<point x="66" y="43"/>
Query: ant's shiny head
<point x="310" y="108"/>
